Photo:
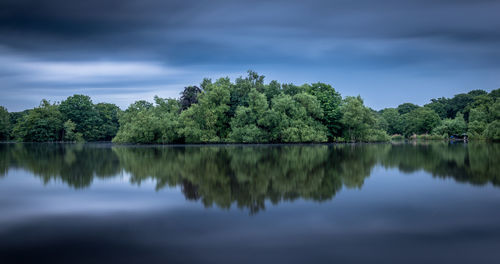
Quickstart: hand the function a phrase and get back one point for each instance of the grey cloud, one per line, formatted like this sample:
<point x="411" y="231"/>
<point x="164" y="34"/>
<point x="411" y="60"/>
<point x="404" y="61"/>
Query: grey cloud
<point x="414" y="37"/>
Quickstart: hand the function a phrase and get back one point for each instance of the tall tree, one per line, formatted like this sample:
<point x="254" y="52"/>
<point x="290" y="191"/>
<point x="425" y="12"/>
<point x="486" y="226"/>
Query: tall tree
<point x="394" y="121"/>
<point x="189" y="96"/>
<point x="208" y="121"/>
<point x="42" y="124"/>
<point x="107" y="122"/>
<point x="249" y="124"/>
<point x="80" y="109"/>
<point x="5" y="126"/>
<point x="330" y="101"/>
<point x="357" y="119"/>
<point x="406" y="108"/>
<point x="420" y="121"/>
<point x="298" y="118"/>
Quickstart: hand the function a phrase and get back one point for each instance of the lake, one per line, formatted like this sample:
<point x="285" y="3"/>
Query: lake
<point x="401" y="202"/>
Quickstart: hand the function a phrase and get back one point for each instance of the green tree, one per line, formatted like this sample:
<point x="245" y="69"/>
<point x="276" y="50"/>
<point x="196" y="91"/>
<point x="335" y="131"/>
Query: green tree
<point x="240" y="90"/>
<point x="5" y="126"/>
<point x="80" y="109"/>
<point x="272" y="90"/>
<point x="478" y="120"/>
<point x="107" y="123"/>
<point x="456" y="126"/>
<point x="42" y="124"/>
<point x="394" y="121"/>
<point x="420" y="121"/>
<point x="458" y="103"/>
<point x="249" y="124"/>
<point x="495" y="94"/>
<point x="208" y="120"/>
<point x="492" y="131"/>
<point x="440" y="106"/>
<point x="145" y="123"/>
<point x="189" y="96"/>
<point x="298" y="119"/>
<point x="70" y="133"/>
<point x="406" y="108"/>
<point x="356" y="120"/>
<point x="330" y="101"/>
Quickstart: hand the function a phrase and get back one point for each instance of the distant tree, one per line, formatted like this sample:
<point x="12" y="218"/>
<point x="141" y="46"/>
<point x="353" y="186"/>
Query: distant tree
<point x="5" y="126"/>
<point x="107" y="122"/>
<point x="492" y="131"/>
<point x="240" y="90"/>
<point x="456" y="126"/>
<point x="144" y="123"/>
<point x="291" y="89"/>
<point x="440" y="106"/>
<point x="419" y="121"/>
<point x="189" y="96"/>
<point x="475" y="93"/>
<point x="167" y="110"/>
<point x="458" y="104"/>
<point x="42" y="124"/>
<point x="15" y="117"/>
<point x="249" y="124"/>
<point x="394" y="121"/>
<point x="356" y="120"/>
<point x="406" y="108"/>
<point x="330" y="101"/>
<point x="478" y="120"/>
<point x="272" y="90"/>
<point x="208" y="120"/>
<point x="495" y="94"/>
<point x="80" y="110"/>
<point x="298" y="119"/>
<point x="495" y="111"/>
<point x="70" y="133"/>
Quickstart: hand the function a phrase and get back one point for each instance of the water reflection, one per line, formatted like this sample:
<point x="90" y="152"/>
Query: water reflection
<point x="248" y="176"/>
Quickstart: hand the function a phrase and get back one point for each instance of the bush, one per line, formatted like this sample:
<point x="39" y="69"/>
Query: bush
<point x="430" y="137"/>
<point x="492" y="131"/>
<point x="475" y="136"/>
<point x="377" y="135"/>
<point x="397" y="137"/>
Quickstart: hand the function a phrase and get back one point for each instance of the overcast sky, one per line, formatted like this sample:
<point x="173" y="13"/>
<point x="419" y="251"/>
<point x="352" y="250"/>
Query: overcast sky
<point x="119" y="51"/>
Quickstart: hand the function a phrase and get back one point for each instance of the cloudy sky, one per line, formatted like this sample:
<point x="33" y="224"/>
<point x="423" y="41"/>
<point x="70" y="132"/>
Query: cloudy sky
<point x="119" y="51"/>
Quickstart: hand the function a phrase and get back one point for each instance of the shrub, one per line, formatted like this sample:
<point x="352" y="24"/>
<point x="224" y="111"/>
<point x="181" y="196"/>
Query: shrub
<point x="430" y="137"/>
<point x="377" y="135"/>
<point x="397" y="137"/>
<point x="492" y="131"/>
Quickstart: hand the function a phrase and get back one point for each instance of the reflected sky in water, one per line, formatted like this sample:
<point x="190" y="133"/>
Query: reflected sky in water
<point x="429" y="203"/>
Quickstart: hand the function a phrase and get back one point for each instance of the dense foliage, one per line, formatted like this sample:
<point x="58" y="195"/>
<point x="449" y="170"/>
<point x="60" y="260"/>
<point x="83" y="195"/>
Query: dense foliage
<point x="4" y="124"/>
<point x="250" y="111"/>
<point x="74" y="119"/>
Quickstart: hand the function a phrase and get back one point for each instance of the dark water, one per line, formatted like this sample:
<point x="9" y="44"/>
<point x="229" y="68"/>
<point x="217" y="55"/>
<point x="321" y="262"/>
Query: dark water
<point x="378" y="203"/>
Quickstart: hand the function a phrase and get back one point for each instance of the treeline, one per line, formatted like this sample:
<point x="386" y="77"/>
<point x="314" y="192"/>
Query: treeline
<point x="74" y="119"/>
<point x="250" y="111"/>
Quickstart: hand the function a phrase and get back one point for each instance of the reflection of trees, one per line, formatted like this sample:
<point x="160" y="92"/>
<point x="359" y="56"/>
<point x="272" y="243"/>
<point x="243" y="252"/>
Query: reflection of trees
<point x="75" y="165"/>
<point x="248" y="176"/>
<point x="475" y="163"/>
<point x="5" y="158"/>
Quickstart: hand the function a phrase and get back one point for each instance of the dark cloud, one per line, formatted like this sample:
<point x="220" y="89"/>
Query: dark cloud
<point x="412" y="37"/>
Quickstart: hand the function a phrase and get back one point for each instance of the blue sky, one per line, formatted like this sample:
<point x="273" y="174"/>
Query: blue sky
<point x="119" y="51"/>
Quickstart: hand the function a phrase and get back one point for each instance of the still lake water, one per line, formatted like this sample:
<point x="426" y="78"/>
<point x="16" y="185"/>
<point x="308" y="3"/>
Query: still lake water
<point x="95" y="203"/>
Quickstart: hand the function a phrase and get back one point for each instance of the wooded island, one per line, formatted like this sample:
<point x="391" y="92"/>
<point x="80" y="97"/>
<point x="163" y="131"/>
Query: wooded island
<point x="250" y="111"/>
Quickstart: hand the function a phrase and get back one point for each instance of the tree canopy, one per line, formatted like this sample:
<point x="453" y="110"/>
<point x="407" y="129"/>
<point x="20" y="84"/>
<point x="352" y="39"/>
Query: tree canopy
<point x="249" y="110"/>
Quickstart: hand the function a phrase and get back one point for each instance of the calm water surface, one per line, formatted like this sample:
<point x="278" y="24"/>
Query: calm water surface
<point x="376" y="203"/>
